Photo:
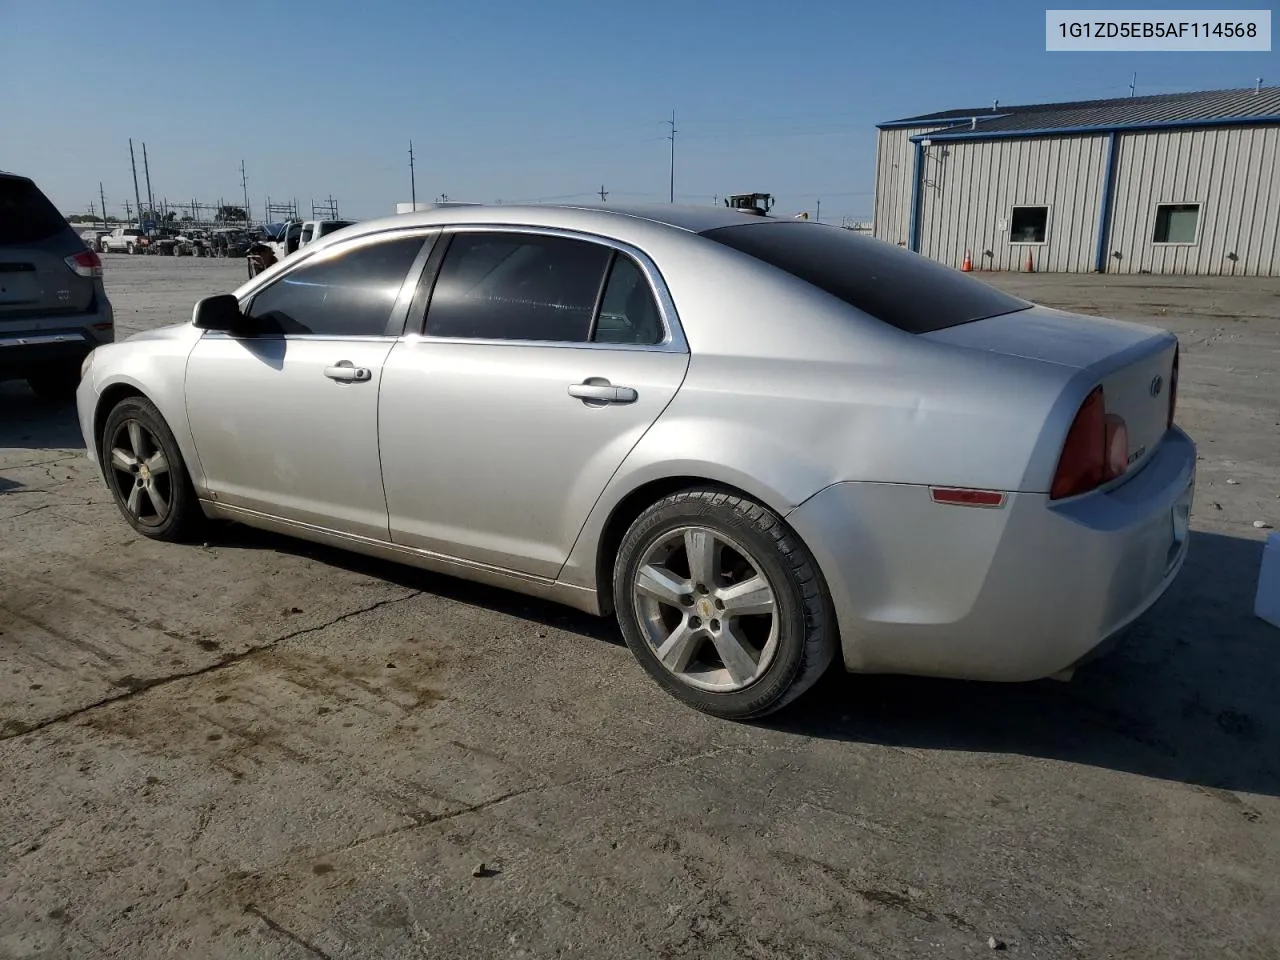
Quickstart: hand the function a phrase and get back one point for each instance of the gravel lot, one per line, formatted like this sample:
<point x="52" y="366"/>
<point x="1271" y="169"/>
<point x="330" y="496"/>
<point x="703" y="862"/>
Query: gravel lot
<point x="262" y="748"/>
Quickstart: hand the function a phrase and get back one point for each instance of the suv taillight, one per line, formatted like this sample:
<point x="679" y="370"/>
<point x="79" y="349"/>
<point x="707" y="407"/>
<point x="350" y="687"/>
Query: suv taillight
<point x="1096" y="450"/>
<point x="86" y="263"/>
<point x="1173" y="386"/>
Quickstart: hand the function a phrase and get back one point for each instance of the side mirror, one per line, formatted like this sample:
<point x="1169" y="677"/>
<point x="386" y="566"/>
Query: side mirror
<point x="220" y="312"/>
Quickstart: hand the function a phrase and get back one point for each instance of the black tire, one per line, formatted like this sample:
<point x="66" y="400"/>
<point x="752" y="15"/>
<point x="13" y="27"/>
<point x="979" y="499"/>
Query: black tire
<point x="55" y="384"/>
<point x="183" y="519"/>
<point x="804" y="621"/>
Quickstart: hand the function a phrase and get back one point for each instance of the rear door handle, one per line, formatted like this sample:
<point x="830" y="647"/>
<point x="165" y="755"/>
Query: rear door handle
<point x="346" y="372"/>
<point x="602" y="392"/>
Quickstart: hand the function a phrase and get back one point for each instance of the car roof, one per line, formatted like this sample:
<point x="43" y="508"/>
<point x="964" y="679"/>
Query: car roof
<point x="605" y="218"/>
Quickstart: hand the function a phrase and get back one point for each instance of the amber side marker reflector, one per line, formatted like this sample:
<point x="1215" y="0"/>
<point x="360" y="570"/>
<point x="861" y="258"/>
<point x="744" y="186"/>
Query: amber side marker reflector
<point x="966" y="498"/>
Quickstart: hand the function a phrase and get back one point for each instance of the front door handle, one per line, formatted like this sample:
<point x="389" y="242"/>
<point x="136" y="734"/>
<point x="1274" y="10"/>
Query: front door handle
<point x="346" y="372"/>
<point x="597" y="390"/>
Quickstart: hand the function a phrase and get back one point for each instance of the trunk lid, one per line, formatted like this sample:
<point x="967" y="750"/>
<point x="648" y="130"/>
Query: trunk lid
<point x="1133" y="363"/>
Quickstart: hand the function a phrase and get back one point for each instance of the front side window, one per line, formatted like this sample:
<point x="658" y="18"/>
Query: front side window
<point x="1177" y="223"/>
<point x="347" y="295"/>
<point x="513" y="286"/>
<point x="1028" y="224"/>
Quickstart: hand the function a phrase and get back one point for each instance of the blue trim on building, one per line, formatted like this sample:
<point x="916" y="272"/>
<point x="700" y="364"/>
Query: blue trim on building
<point x="1108" y="200"/>
<point x="913" y="237"/>
<point x="1152" y="125"/>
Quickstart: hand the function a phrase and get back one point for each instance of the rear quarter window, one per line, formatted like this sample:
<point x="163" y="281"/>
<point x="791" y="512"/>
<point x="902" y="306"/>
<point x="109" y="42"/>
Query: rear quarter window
<point x="902" y="289"/>
<point x="26" y="215"/>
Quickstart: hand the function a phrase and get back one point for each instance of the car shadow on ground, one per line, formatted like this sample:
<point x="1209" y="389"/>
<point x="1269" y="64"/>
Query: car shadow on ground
<point x="531" y="609"/>
<point x="1190" y="695"/>
<point x="27" y="422"/>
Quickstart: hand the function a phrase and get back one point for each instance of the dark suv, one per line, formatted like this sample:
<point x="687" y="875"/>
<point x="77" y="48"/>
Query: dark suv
<point x="53" y="306"/>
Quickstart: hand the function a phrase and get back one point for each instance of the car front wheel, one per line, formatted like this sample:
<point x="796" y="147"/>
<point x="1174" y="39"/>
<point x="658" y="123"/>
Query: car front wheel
<point x="722" y="604"/>
<point x="145" y="471"/>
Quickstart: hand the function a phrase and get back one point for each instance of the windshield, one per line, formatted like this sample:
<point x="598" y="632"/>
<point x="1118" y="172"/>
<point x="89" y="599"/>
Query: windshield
<point x="899" y="288"/>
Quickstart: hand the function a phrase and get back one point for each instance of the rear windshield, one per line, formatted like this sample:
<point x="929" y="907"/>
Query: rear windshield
<point x="26" y="215"/>
<point x="902" y="289"/>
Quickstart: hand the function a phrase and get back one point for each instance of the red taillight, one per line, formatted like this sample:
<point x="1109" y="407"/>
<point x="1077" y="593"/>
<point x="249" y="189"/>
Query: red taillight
<point x="1097" y="449"/>
<point x="1173" y="386"/>
<point x="86" y="263"/>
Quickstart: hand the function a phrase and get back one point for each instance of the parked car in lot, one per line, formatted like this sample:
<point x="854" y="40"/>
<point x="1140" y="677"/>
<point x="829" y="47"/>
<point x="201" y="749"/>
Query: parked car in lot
<point x="93" y="239"/>
<point x="760" y="444"/>
<point x="53" y="306"/>
<point x="124" y="240"/>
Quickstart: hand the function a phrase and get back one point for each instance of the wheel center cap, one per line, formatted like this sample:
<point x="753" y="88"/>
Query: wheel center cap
<point x="705" y="609"/>
<point x="144" y="472"/>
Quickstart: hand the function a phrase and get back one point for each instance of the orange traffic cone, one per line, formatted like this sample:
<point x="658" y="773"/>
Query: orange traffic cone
<point x="1028" y="267"/>
<point x="967" y="266"/>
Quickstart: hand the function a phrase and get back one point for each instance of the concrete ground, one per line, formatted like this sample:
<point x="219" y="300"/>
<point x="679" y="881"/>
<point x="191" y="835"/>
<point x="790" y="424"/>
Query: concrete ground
<point x="260" y="748"/>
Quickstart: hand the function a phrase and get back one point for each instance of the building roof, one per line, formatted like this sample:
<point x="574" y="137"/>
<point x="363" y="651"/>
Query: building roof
<point x="1201" y="108"/>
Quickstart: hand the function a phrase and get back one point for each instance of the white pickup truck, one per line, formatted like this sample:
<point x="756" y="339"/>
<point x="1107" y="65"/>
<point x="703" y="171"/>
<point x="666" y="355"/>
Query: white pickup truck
<point x="315" y="229"/>
<point x="285" y="239"/>
<point x="124" y="240"/>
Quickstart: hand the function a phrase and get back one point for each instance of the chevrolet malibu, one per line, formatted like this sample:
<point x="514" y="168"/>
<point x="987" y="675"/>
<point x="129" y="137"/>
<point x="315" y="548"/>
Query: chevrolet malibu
<point x="759" y="444"/>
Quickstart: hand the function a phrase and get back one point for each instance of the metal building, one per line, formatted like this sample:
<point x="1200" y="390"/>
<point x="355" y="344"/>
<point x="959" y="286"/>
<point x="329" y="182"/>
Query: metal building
<point x="1176" y="183"/>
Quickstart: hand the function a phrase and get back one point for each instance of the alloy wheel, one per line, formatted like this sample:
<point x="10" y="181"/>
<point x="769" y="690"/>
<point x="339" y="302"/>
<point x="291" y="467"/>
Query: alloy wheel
<point x="140" y="473"/>
<point x="707" y="610"/>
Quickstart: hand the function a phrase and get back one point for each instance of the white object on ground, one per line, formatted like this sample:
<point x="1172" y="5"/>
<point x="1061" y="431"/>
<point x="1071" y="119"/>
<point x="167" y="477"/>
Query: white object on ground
<point x="1267" y="604"/>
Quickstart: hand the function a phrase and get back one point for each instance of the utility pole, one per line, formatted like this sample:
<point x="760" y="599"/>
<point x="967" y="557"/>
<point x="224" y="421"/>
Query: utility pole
<point x="603" y="193"/>
<point x="136" y="195"/>
<point x="103" y="197"/>
<point x="715" y="199"/>
<point x="146" y="169"/>
<point x="128" y="213"/>
<point x="818" y="213"/>
<point x="671" y="190"/>
<point x="244" y="185"/>
<point x="413" y="186"/>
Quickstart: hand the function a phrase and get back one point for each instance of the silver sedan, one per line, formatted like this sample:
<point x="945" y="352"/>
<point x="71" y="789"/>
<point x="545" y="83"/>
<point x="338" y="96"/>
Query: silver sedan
<point x="759" y="444"/>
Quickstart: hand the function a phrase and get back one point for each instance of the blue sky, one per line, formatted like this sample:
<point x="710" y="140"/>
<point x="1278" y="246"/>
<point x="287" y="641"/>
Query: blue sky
<point x="512" y="101"/>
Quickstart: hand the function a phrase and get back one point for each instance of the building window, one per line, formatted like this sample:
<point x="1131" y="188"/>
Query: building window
<point x="1029" y="225"/>
<point x="1177" y="223"/>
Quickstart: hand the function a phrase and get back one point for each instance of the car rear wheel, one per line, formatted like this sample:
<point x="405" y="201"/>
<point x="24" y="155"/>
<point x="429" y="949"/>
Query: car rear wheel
<point x="722" y="604"/>
<point x="54" y="384"/>
<point x="145" y="471"/>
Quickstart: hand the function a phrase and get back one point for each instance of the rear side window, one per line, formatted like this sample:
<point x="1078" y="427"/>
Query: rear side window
<point x="902" y="289"/>
<point x="513" y="286"/>
<point x="26" y="215"/>
<point x="628" y="312"/>
<point x="348" y="295"/>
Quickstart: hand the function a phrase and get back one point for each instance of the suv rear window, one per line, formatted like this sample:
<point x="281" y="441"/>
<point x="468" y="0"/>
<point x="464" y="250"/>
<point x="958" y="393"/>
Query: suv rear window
<point x="26" y="215"/>
<point x="902" y="289"/>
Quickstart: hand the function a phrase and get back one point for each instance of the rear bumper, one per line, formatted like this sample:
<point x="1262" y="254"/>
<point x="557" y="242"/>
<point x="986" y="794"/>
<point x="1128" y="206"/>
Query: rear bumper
<point x="1013" y="593"/>
<point x="54" y="340"/>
